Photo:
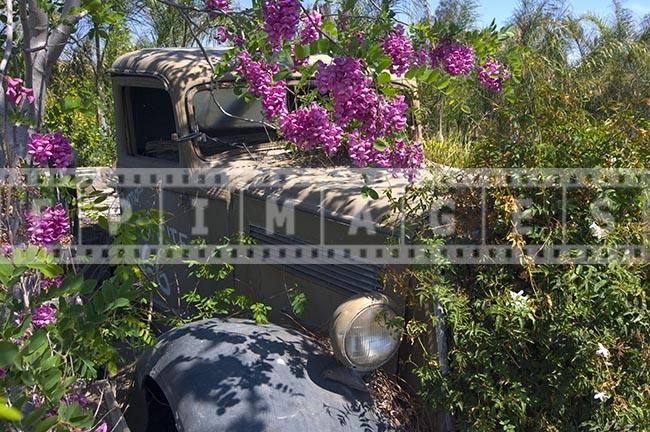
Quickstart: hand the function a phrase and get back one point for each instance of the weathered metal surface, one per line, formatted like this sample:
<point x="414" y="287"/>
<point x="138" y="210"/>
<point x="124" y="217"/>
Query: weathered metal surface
<point x="238" y="376"/>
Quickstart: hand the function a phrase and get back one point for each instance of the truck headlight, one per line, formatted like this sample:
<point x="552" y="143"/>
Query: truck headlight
<point x="361" y="335"/>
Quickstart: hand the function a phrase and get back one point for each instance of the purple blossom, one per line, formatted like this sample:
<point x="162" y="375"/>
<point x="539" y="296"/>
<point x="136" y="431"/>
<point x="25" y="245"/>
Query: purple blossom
<point x="49" y="226"/>
<point x="80" y="398"/>
<point x="16" y="92"/>
<point x="310" y="24"/>
<point x="222" y="35"/>
<point x="491" y="75"/>
<point x="360" y="150"/>
<point x="408" y="157"/>
<point x="3" y="373"/>
<point x="214" y="6"/>
<point x="101" y="428"/>
<point x="259" y="76"/>
<point x="47" y="283"/>
<point x="281" y="18"/>
<point x="456" y="58"/>
<point x="7" y="249"/>
<point x="350" y="88"/>
<point x="50" y="147"/>
<point x="421" y="57"/>
<point x="274" y="100"/>
<point x="38" y="400"/>
<point x="386" y="116"/>
<point x="398" y="47"/>
<point x="309" y="127"/>
<point x="43" y="315"/>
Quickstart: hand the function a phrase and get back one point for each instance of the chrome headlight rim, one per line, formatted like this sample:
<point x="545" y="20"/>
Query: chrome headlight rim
<point x="343" y="319"/>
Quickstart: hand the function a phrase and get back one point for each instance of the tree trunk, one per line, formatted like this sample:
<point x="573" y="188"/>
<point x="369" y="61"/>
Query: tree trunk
<point x="99" y="87"/>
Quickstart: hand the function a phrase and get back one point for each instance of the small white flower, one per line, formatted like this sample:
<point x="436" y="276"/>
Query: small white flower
<point x="602" y="351"/>
<point x="518" y="299"/>
<point x="601" y="396"/>
<point x="597" y="231"/>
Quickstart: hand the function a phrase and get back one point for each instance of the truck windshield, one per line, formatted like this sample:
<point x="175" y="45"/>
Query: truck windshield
<point x="228" y="131"/>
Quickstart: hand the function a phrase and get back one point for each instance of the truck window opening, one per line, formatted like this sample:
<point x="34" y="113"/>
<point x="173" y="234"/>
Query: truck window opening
<point x="153" y="123"/>
<point x="229" y="130"/>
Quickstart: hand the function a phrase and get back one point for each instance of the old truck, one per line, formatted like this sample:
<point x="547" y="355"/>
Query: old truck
<point x="174" y="119"/>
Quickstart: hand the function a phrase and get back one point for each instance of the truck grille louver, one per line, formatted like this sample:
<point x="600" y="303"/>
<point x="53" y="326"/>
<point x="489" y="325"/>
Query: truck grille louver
<point x="347" y="274"/>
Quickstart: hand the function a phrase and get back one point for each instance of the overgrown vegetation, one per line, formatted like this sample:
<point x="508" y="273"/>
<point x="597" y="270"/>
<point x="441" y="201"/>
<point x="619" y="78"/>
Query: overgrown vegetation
<point x="546" y="347"/>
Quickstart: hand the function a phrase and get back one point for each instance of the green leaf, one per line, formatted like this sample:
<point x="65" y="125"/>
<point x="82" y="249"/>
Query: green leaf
<point x="302" y="51"/>
<point x="10" y="413"/>
<point x="410" y="74"/>
<point x="389" y="91"/>
<point x="323" y="45"/>
<point x="38" y="340"/>
<point x="329" y="27"/>
<point x="51" y="379"/>
<point x="368" y="192"/>
<point x="71" y="103"/>
<point x="383" y="77"/>
<point x="46" y="424"/>
<point x="49" y="270"/>
<point x="380" y="144"/>
<point x="383" y="63"/>
<point x="118" y="303"/>
<point x="8" y="353"/>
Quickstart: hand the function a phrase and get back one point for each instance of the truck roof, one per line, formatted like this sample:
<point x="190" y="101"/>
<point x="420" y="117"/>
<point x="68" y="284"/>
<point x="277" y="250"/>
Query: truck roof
<point x="183" y="68"/>
<point x="179" y="68"/>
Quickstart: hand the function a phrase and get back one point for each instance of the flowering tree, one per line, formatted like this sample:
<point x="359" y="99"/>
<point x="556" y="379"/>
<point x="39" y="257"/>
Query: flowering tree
<point x="353" y="102"/>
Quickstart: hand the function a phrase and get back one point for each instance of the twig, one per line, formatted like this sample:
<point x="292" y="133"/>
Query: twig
<point x="327" y="36"/>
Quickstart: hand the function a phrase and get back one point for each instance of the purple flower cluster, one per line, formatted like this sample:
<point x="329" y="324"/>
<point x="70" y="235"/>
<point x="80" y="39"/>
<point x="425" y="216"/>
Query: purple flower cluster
<point x="3" y="373"/>
<point x="16" y="92"/>
<point x="421" y="57"/>
<point x="491" y="75"/>
<point x="362" y="152"/>
<point x="259" y="76"/>
<point x="384" y="116"/>
<point x="456" y="58"/>
<point x="310" y="24"/>
<point x="408" y="157"/>
<point x="214" y="6"/>
<point x="48" y="227"/>
<point x="43" y="315"/>
<point x="355" y="99"/>
<point x="398" y="47"/>
<point x="7" y="249"/>
<point x="349" y="86"/>
<point x="309" y="127"/>
<point x="47" y="283"/>
<point x="274" y="100"/>
<point x="80" y="398"/>
<point x="222" y="35"/>
<point x="50" y="147"/>
<point x="281" y="18"/>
